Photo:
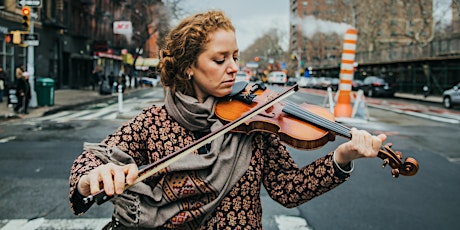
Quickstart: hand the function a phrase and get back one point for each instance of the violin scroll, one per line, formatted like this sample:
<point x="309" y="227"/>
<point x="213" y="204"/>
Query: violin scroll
<point x="394" y="158"/>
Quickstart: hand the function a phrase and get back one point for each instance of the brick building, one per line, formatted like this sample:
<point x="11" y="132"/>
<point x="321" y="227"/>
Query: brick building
<point x="77" y="35"/>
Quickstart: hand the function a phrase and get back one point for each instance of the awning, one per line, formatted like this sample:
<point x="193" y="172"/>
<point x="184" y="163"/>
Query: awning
<point x="107" y="55"/>
<point x="143" y="62"/>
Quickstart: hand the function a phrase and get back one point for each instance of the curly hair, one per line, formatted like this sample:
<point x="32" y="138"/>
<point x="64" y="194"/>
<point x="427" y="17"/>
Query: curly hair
<point x="184" y="44"/>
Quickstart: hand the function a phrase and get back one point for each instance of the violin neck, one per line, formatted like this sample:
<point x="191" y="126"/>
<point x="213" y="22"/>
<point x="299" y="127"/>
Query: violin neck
<point x="303" y="114"/>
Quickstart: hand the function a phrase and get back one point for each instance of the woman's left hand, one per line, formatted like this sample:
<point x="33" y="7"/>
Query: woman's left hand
<point x="361" y="145"/>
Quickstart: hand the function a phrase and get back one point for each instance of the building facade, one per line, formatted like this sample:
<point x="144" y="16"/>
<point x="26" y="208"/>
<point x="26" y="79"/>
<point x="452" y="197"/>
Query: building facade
<point x="397" y="40"/>
<point x="77" y="35"/>
<point x="318" y="27"/>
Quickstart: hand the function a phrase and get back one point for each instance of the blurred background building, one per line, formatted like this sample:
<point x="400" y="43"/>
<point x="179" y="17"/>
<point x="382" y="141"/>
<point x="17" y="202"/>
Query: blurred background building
<point x="75" y="36"/>
<point x="398" y="40"/>
<point x="403" y="41"/>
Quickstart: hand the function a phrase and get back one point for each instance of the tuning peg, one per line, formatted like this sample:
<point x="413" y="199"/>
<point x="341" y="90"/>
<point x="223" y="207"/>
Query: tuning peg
<point x="385" y="162"/>
<point x="395" y="173"/>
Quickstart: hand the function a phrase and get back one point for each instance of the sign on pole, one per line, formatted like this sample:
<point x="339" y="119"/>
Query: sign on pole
<point x="31" y="3"/>
<point x="30" y="39"/>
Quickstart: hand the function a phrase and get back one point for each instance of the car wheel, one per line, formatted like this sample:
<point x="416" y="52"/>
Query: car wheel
<point x="447" y="102"/>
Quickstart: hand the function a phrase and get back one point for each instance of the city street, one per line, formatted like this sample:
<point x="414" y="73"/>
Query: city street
<point x="36" y="155"/>
<point x="74" y="72"/>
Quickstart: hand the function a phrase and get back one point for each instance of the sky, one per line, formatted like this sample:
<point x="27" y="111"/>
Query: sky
<point x="251" y="18"/>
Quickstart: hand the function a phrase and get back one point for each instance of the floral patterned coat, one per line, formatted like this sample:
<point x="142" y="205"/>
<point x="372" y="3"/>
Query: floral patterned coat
<point x="153" y="134"/>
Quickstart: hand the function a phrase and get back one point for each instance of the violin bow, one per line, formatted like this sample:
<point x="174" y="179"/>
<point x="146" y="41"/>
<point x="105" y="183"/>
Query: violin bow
<point x="148" y="171"/>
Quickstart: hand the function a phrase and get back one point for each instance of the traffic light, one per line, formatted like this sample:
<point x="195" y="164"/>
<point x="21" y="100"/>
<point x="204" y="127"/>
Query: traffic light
<point x="16" y="37"/>
<point x="8" y="38"/>
<point x="26" y="17"/>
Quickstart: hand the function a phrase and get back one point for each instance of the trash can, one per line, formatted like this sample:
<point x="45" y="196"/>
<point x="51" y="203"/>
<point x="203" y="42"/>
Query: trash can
<point x="45" y="91"/>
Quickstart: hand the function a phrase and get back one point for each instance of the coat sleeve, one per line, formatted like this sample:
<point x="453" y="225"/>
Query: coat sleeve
<point x="291" y="186"/>
<point x="130" y="138"/>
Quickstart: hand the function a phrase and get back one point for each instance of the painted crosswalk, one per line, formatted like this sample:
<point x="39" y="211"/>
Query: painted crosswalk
<point x="102" y="112"/>
<point x="54" y="224"/>
<point x="283" y="222"/>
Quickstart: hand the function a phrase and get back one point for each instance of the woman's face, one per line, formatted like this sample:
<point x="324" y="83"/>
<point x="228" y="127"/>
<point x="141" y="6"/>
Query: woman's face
<point x="215" y="69"/>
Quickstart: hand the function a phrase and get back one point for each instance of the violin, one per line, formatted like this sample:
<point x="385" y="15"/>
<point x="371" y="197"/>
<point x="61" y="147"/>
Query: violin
<point x="151" y="169"/>
<point x="302" y="126"/>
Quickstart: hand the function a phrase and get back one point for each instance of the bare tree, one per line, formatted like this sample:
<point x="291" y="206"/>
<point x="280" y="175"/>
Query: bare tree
<point x="267" y="49"/>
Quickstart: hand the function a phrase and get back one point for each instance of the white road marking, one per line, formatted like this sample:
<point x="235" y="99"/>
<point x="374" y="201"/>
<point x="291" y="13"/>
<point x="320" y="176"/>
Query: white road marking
<point x="291" y="222"/>
<point x="6" y="139"/>
<point x="50" y="224"/>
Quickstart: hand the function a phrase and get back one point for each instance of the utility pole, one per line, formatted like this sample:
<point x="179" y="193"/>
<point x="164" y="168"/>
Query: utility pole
<point x="30" y="68"/>
<point x="28" y="23"/>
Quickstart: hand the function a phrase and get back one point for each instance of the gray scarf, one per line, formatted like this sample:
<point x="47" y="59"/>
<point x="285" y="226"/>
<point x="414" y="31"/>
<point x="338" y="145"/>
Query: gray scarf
<point x="209" y="176"/>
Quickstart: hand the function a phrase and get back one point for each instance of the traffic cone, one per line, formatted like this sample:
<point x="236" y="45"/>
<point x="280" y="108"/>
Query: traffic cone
<point x="343" y="106"/>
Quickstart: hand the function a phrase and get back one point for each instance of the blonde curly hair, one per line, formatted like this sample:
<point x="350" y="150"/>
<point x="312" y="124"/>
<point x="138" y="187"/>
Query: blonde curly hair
<point x="184" y="44"/>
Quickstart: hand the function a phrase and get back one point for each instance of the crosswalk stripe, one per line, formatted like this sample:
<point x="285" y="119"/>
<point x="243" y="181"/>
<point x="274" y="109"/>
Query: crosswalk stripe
<point x="73" y="115"/>
<point x="54" y="224"/>
<point x="291" y="222"/>
<point x="130" y="108"/>
<point x="53" y="116"/>
<point x="284" y="223"/>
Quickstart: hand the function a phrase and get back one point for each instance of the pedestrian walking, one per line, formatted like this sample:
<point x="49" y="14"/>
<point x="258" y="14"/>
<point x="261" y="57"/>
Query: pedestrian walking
<point x="219" y="185"/>
<point x="23" y="94"/>
<point x="96" y="76"/>
<point x="20" y="71"/>
<point x="112" y="81"/>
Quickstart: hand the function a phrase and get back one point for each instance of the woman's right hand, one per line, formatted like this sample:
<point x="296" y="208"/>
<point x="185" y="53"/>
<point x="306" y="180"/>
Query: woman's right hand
<point x="112" y="178"/>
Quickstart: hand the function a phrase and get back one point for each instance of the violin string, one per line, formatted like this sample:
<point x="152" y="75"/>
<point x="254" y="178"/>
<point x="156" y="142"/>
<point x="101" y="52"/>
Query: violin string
<point x="296" y="110"/>
<point x="316" y="119"/>
<point x="328" y="124"/>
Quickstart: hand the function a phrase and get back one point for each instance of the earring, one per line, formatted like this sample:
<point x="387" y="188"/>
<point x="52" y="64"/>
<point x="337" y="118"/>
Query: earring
<point x="189" y="77"/>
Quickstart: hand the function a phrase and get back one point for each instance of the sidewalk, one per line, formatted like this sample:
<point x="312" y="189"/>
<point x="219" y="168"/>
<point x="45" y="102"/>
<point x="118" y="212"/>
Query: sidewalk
<point x="420" y="97"/>
<point x="65" y="99"/>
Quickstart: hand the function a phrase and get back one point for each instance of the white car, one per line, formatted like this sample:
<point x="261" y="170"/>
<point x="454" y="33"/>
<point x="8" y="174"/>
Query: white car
<point x="242" y="76"/>
<point x="307" y="82"/>
<point x="277" y="77"/>
<point x="153" y="82"/>
<point x="451" y="96"/>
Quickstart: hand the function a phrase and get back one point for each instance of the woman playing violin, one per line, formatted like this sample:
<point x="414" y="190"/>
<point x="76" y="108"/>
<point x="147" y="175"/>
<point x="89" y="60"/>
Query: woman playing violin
<point x="218" y="186"/>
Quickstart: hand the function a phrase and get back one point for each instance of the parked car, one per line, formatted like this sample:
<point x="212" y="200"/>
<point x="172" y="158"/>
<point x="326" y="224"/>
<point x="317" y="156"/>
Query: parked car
<point x="293" y="80"/>
<point x="374" y="86"/>
<point x="277" y="77"/>
<point x="355" y="84"/>
<point x="242" y="76"/>
<point x="312" y="82"/>
<point x="302" y="82"/>
<point x="150" y="81"/>
<point x="334" y="84"/>
<point x="322" y="83"/>
<point x="451" y="96"/>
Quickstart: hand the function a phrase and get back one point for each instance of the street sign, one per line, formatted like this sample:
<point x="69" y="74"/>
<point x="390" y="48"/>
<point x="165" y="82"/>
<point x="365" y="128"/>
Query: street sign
<point x="30" y="39"/>
<point x="31" y="3"/>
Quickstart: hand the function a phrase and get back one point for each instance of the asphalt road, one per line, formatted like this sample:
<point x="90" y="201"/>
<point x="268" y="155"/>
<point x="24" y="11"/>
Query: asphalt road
<point x="36" y="156"/>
